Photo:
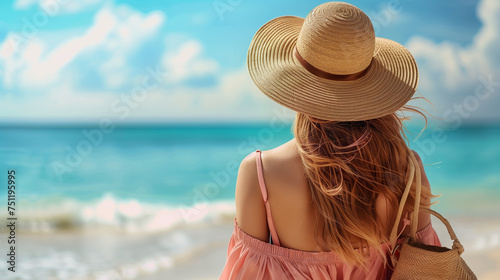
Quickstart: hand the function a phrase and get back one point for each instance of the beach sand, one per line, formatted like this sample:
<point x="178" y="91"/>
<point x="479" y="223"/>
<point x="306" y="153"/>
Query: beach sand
<point x="205" y="266"/>
<point x="192" y="253"/>
<point x="486" y="266"/>
<point x="195" y="252"/>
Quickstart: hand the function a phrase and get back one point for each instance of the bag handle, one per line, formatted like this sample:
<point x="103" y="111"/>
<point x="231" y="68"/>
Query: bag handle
<point x="456" y="243"/>
<point x="414" y="167"/>
<point x="418" y="193"/>
<point x="411" y="167"/>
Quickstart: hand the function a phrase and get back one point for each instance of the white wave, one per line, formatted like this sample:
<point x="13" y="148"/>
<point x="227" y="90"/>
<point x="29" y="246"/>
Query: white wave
<point x="109" y="212"/>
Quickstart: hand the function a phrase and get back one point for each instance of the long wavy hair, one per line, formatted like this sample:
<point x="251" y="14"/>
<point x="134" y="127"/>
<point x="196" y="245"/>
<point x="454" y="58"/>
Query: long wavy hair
<point x="348" y="166"/>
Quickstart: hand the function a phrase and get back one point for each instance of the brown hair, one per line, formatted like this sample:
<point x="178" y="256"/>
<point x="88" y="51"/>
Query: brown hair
<point x="348" y="165"/>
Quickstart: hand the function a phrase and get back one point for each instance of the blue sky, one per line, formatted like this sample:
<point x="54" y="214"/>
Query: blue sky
<point x="170" y="61"/>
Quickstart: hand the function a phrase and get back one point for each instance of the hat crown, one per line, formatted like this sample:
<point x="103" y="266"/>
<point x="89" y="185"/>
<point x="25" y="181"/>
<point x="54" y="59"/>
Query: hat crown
<point x="337" y="38"/>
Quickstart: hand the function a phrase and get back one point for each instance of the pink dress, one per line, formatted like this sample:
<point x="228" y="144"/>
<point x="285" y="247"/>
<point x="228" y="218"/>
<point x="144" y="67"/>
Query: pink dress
<point x="251" y="258"/>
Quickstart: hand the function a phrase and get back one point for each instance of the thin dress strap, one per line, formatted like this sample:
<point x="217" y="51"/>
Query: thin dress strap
<point x="263" y="189"/>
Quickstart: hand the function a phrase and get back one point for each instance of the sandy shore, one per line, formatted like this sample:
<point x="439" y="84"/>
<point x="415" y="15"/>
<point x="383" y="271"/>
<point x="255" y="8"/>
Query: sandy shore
<point x="188" y="253"/>
<point x="486" y="266"/>
<point x="205" y="266"/>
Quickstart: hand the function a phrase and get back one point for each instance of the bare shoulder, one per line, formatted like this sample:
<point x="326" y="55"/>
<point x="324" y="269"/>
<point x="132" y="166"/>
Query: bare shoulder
<point x="250" y="209"/>
<point x="282" y="162"/>
<point x="249" y="164"/>
<point x="277" y="165"/>
<point x="285" y="179"/>
<point x="274" y="161"/>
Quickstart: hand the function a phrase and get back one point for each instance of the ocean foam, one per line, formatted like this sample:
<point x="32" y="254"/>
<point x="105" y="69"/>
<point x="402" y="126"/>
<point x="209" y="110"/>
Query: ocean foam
<point x="112" y="213"/>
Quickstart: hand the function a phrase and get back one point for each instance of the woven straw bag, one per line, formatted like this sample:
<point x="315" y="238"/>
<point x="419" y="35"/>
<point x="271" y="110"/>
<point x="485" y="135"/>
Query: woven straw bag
<point x="420" y="261"/>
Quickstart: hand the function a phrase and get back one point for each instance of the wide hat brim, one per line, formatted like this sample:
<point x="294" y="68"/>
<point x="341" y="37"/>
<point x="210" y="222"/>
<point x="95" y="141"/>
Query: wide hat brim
<point x="389" y="83"/>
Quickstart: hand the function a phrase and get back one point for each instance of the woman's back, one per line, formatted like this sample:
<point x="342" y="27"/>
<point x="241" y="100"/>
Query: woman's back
<point x="289" y="198"/>
<point x="291" y="217"/>
<point x="293" y="211"/>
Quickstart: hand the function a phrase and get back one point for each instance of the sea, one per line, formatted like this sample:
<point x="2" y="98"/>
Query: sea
<point x="136" y="180"/>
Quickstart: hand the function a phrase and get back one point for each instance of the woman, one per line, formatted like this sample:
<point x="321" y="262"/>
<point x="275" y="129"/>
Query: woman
<point x="323" y="205"/>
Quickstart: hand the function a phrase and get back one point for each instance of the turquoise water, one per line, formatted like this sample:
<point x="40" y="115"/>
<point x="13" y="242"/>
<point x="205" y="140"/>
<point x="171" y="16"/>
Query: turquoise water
<point x="185" y="165"/>
<point x="156" y="164"/>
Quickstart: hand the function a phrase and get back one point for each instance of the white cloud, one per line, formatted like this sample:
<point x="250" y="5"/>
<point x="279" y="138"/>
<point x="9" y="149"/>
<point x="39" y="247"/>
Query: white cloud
<point x="451" y="74"/>
<point x="24" y="4"/>
<point x="43" y="76"/>
<point x="53" y="7"/>
<point x="129" y="32"/>
<point x="234" y="98"/>
<point x="115" y="33"/>
<point x="186" y="61"/>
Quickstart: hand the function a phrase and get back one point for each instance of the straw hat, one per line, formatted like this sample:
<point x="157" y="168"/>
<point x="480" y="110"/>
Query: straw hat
<point x="331" y="66"/>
